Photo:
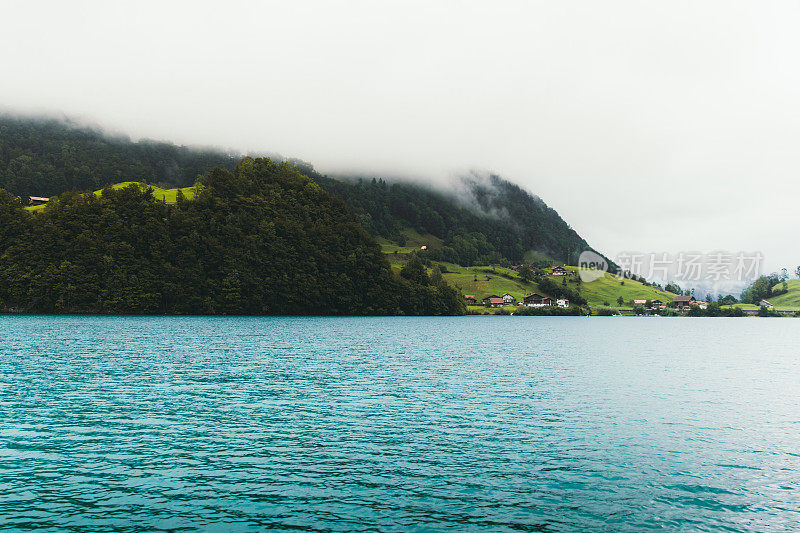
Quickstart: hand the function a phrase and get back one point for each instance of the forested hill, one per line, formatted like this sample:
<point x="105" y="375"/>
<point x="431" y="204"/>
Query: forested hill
<point x="46" y="157"/>
<point x="486" y="220"/>
<point x="263" y="239"/>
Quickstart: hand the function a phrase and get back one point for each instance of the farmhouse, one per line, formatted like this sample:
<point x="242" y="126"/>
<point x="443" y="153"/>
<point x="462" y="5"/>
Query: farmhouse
<point x="508" y="299"/>
<point x="559" y="271"/>
<point x="766" y="304"/>
<point x="562" y="302"/>
<point x="683" y="302"/>
<point x="493" y="302"/>
<point x="657" y="304"/>
<point x="37" y="200"/>
<point x="470" y="299"/>
<point x="640" y="302"/>
<point x="537" y="300"/>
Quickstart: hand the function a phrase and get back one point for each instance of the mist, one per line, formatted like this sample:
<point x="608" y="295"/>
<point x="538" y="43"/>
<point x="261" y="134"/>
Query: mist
<point x="651" y="127"/>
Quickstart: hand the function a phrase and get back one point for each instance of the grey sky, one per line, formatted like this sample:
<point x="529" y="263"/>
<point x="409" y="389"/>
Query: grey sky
<point x="652" y="126"/>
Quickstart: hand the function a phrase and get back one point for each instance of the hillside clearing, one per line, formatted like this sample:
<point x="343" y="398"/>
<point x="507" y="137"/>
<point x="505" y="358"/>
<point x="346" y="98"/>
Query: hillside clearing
<point x="169" y="196"/>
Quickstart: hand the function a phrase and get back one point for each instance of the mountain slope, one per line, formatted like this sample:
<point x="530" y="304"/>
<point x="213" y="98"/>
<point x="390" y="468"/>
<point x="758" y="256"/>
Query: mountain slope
<point x="480" y="220"/>
<point x="489" y="221"/>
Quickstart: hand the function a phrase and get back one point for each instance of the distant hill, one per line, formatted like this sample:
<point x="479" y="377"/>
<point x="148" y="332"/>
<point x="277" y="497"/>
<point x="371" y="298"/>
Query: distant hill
<point x="480" y="220"/>
<point x="483" y="220"/>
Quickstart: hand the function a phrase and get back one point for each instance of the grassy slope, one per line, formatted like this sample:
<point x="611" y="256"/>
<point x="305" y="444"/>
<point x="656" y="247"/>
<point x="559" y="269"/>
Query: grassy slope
<point x="608" y="289"/>
<point x="790" y="300"/>
<point x="414" y="241"/>
<point x="597" y="293"/>
<point x="472" y="280"/>
<point x="167" y="195"/>
<point x="464" y="279"/>
<point x="785" y="302"/>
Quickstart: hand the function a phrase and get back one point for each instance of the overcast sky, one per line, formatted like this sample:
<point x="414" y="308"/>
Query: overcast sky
<point x="651" y="126"/>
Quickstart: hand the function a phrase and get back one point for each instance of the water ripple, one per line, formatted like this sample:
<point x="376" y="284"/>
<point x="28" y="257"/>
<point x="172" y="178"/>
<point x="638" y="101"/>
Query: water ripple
<point x="397" y="424"/>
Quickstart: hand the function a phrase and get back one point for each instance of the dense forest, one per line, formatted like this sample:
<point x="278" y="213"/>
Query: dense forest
<point x="46" y="157"/>
<point x="262" y="239"/>
<point x="487" y="221"/>
<point x="493" y="222"/>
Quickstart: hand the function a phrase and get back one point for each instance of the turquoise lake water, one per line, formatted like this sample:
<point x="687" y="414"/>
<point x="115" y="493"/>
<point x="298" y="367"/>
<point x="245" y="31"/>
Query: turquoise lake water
<point x="396" y="424"/>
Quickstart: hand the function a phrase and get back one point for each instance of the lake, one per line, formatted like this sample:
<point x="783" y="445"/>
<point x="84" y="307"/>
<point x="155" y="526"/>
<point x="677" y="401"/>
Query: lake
<point x="396" y="424"/>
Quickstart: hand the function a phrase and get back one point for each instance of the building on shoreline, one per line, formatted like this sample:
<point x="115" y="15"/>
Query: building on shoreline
<point x="493" y="301"/>
<point x="536" y="300"/>
<point x="683" y="302"/>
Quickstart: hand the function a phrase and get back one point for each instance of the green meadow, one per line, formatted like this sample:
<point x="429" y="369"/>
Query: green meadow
<point x="482" y="281"/>
<point x="169" y="196"/>
<point x="414" y="242"/>
<point x="605" y="291"/>
<point x="790" y="300"/>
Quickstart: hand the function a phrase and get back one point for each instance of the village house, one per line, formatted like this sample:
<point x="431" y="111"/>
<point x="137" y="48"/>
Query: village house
<point x="562" y="302"/>
<point x="559" y="271"/>
<point x="470" y="299"/>
<point x="37" y="200"/>
<point x="683" y="302"/>
<point x="766" y="304"/>
<point x="493" y="302"/>
<point x="537" y="300"/>
<point x="508" y="299"/>
<point x="640" y="302"/>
